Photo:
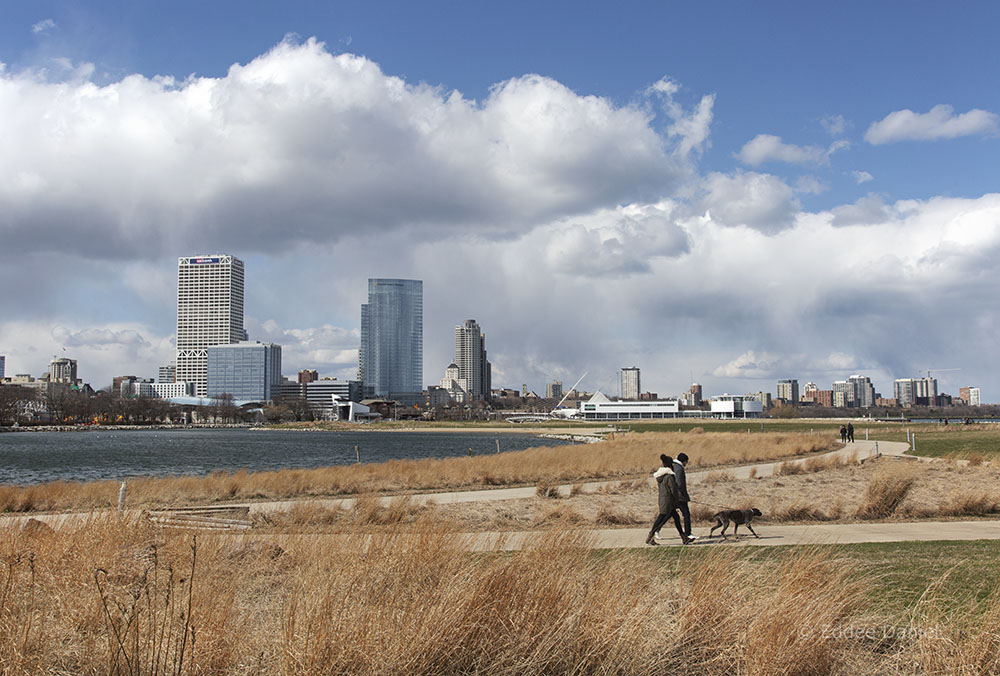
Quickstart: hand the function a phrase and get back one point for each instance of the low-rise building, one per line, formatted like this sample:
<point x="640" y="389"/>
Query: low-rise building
<point x="171" y="390"/>
<point x="320" y="394"/>
<point x="599" y="407"/>
<point x="247" y="370"/>
<point x="736" y="406"/>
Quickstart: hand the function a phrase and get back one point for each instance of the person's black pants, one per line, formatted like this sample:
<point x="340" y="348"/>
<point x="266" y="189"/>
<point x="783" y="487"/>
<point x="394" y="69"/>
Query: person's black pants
<point x="686" y="513"/>
<point x="662" y="519"/>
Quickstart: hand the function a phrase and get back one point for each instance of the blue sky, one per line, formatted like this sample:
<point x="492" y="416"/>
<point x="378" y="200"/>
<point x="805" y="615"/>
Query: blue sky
<point x="840" y="156"/>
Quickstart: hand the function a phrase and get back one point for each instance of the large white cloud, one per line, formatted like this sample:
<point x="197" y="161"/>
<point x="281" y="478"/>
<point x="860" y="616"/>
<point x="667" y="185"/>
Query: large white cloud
<point x="939" y="122"/>
<point x="759" y="201"/>
<point x="302" y="145"/>
<point x="580" y="236"/>
<point x="618" y="243"/>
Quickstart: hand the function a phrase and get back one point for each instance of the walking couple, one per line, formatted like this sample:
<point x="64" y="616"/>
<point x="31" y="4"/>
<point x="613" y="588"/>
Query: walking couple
<point x="672" y="485"/>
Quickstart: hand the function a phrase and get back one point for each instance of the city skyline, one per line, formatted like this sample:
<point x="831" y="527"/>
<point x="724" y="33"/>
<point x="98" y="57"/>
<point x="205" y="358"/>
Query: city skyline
<point x="596" y="197"/>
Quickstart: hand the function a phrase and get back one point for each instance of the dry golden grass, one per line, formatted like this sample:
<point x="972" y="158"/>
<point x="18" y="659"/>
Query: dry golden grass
<point x="886" y="491"/>
<point x="627" y="456"/>
<point x="120" y="597"/>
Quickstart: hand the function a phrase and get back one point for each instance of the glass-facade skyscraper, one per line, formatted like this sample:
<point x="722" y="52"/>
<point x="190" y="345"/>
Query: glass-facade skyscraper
<point x="391" y="355"/>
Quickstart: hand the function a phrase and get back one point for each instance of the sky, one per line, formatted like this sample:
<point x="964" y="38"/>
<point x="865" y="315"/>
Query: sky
<point x="719" y="192"/>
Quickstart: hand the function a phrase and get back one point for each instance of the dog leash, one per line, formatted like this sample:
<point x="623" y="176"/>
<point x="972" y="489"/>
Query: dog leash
<point x="707" y="504"/>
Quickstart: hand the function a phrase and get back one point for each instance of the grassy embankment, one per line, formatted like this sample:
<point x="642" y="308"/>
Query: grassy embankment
<point x="124" y="598"/>
<point x="954" y="440"/>
<point x="627" y="456"/>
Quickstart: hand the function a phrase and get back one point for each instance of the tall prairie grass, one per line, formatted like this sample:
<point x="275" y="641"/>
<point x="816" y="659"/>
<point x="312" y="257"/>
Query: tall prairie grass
<point x="628" y="456"/>
<point x="119" y="597"/>
<point x="886" y="491"/>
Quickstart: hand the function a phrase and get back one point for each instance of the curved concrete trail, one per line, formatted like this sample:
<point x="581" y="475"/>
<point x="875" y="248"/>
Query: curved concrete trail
<point x="770" y="535"/>
<point x="861" y="449"/>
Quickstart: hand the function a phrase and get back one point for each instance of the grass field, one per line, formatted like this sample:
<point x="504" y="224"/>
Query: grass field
<point x="932" y="439"/>
<point x="120" y="597"/>
<point x="898" y="573"/>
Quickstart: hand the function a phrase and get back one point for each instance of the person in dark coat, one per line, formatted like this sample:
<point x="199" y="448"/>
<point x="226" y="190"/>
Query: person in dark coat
<point x="683" y="498"/>
<point x="843" y="433"/>
<point x="668" y="496"/>
<point x="850" y="432"/>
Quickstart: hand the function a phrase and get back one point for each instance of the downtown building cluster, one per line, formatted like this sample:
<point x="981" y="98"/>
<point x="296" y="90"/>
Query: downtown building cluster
<point x="216" y="360"/>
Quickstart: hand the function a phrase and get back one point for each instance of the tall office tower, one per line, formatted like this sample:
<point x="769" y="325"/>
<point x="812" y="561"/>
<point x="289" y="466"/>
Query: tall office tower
<point x="554" y="390"/>
<point x="307" y="376"/>
<point x="62" y="370"/>
<point x="470" y="357"/>
<point x="391" y="355"/>
<point x="248" y="370"/>
<point x="3" y="365"/>
<point x="864" y="391"/>
<point x="209" y="312"/>
<point x="166" y="374"/>
<point x="974" y="398"/>
<point x="788" y="390"/>
<point x="630" y="384"/>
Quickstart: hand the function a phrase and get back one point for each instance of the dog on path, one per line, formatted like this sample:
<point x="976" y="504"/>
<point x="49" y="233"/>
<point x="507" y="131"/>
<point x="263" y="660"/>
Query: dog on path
<point x="738" y="517"/>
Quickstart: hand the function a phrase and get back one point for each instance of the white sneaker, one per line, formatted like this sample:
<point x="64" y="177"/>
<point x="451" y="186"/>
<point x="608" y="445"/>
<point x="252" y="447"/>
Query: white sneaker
<point x="656" y="535"/>
<point x="692" y="537"/>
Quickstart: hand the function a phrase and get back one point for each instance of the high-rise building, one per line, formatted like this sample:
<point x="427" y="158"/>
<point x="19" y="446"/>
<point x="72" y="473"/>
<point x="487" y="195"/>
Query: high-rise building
<point x="630" y="384"/>
<point x="916" y="391"/>
<point x="62" y="370"/>
<point x="391" y="355"/>
<point x="864" y="391"/>
<point x="904" y="391"/>
<point x="969" y="395"/>
<point x="307" y="376"/>
<point x="470" y="358"/>
<point x="247" y="371"/>
<point x="843" y="394"/>
<point x="926" y="391"/>
<point x="554" y="390"/>
<point x="209" y="312"/>
<point x="788" y="390"/>
<point x="166" y="374"/>
<point x="3" y="365"/>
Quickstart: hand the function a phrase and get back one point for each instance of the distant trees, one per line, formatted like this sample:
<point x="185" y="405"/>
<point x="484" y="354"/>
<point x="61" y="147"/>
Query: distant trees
<point x="16" y="403"/>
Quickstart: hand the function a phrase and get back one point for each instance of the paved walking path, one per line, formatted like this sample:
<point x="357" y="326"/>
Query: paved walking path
<point x="771" y="535"/>
<point x="861" y="449"/>
<point x="635" y="537"/>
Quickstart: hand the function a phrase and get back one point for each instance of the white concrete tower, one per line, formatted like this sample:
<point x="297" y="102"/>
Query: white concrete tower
<point x="470" y="357"/>
<point x="209" y="312"/>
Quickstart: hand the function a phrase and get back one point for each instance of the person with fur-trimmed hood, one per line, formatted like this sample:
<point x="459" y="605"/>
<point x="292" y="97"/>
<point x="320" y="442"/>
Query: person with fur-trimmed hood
<point x="668" y="497"/>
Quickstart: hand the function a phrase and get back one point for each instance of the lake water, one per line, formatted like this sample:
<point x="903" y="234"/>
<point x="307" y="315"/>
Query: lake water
<point x="35" y="457"/>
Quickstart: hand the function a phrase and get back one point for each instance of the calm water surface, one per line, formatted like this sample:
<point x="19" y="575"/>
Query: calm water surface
<point x="35" y="457"/>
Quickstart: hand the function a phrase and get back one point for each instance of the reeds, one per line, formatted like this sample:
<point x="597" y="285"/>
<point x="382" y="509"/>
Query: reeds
<point x="629" y="456"/>
<point x="886" y="491"/>
<point x="118" y="597"/>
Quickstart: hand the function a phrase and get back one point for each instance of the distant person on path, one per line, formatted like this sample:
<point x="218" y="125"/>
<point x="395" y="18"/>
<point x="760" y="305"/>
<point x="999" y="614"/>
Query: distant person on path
<point x="843" y="434"/>
<point x="850" y="432"/>
<point x="668" y="495"/>
<point x="683" y="498"/>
